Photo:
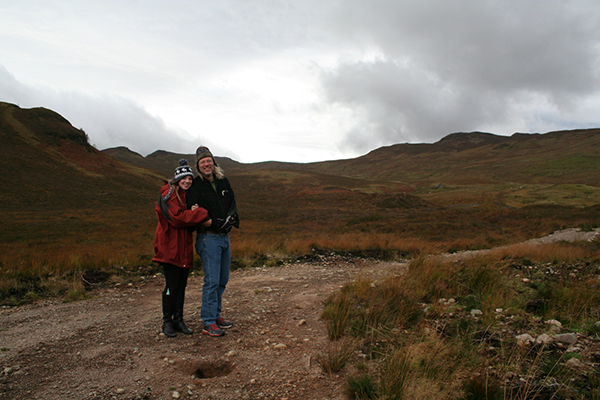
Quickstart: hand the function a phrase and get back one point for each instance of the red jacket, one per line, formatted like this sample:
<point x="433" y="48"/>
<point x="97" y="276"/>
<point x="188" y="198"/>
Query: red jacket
<point x="173" y="241"/>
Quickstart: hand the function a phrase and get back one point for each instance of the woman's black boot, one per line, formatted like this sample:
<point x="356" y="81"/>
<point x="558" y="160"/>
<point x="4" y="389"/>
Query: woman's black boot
<point x="180" y="325"/>
<point x="168" y="306"/>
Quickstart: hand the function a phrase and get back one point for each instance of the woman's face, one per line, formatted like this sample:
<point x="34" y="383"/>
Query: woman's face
<point x="185" y="182"/>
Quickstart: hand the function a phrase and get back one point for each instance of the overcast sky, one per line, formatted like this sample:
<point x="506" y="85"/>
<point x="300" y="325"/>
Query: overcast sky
<point x="301" y="80"/>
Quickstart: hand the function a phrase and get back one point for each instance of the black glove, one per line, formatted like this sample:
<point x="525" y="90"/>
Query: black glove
<point x="227" y="224"/>
<point x="217" y="223"/>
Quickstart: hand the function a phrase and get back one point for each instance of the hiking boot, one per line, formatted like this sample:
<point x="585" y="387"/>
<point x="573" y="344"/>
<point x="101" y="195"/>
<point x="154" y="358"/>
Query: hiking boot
<point x="223" y="324"/>
<point x="169" y="329"/>
<point x="212" y="330"/>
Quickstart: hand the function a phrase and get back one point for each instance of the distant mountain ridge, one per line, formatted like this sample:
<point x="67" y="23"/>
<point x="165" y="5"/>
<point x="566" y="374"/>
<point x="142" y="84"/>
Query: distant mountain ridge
<point x="163" y="161"/>
<point x="558" y="157"/>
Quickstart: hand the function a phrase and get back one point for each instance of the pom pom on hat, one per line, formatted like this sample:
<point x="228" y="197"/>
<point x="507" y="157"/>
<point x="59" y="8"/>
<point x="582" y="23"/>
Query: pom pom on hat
<point x="182" y="171"/>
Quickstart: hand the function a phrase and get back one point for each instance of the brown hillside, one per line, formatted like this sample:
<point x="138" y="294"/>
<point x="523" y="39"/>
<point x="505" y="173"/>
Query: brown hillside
<point x="48" y="163"/>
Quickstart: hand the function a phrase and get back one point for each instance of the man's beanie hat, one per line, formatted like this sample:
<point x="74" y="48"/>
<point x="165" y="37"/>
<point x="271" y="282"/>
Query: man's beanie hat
<point x="203" y="152"/>
<point x="183" y="170"/>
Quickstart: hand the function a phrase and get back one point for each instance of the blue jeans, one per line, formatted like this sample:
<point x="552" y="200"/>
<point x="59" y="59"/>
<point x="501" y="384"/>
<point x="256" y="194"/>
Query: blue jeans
<point x="215" y="252"/>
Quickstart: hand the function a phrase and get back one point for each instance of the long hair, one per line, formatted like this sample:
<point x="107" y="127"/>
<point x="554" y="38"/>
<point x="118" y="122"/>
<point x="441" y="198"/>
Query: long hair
<point x="181" y="203"/>
<point x="174" y="188"/>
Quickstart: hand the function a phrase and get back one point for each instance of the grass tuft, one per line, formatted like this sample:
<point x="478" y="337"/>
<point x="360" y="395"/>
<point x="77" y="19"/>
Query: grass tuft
<point x="362" y="387"/>
<point x="337" y="355"/>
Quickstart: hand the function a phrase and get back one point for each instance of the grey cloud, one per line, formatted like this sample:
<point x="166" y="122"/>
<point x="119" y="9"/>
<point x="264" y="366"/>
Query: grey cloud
<point x="448" y="66"/>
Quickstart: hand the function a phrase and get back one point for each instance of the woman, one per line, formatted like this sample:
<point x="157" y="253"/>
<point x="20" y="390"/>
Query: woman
<point x="174" y="246"/>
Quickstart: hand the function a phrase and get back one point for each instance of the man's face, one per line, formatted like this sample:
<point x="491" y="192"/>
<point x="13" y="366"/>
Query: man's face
<point x="206" y="167"/>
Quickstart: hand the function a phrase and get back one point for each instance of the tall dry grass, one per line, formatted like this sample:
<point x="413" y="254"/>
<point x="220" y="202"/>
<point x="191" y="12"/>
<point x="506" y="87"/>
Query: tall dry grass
<point x="43" y="258"/>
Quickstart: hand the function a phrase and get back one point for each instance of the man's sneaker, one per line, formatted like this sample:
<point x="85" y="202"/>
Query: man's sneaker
<point x="212" y="330"/>
<point x="223" y="324"/>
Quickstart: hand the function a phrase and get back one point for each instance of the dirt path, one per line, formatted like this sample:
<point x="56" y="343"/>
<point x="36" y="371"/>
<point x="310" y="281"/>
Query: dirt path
<point x="110" y="346"/>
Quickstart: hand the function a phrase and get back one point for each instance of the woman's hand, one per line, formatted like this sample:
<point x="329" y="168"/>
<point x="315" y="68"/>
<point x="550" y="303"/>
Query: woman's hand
<point x="195" y="206"/>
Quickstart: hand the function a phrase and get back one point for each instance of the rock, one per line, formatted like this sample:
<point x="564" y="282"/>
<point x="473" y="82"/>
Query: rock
<point x="543" y="339"/>
<point x="524" y="339"/>
<point x="555" y="329"/>
<point x="510" y="376"/>
<point x="574" y="363"/>
<point x="280" y="346"/>
<point x="566" y="338"/>
<point x="302" y="322"/>
<point x="554" y="322"/>
<point x="475" y="312"/>
<point x="120" y="391"/>
<point x="176" y="395"/>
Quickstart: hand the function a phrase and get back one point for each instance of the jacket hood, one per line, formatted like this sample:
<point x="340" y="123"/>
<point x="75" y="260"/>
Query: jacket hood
<point x="165" y="189"/>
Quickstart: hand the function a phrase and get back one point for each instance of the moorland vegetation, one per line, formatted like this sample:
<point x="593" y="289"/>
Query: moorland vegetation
<point x="73" y="216"/>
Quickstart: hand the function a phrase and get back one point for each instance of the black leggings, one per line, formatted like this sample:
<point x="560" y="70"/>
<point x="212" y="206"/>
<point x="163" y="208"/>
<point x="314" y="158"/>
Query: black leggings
<point x="175" y="279"/>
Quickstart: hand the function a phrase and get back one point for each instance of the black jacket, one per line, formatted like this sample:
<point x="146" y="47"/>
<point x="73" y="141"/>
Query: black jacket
<point x="219" y="203"/>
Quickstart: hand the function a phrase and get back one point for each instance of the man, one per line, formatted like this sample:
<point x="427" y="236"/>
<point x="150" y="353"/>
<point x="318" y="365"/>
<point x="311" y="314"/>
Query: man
<point x="211" y="190"/>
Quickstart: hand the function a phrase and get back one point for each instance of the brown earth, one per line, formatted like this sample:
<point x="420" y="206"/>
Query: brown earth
<point x="110" y="346"/>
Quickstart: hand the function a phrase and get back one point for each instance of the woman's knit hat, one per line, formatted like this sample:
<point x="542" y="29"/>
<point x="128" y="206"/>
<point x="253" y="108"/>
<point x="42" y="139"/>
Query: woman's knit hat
<point x="183" y="170"/>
